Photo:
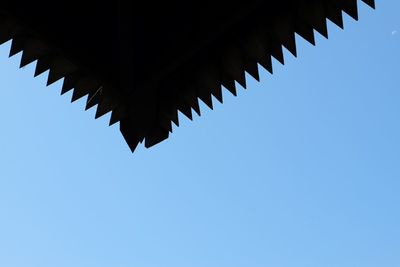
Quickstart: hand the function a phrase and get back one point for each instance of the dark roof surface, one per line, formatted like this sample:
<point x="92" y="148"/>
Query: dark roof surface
<point x="145" y="61"/>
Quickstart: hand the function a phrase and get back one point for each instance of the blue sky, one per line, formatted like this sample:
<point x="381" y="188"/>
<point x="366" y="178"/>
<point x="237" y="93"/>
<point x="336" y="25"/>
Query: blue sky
<point x="302" y="169"/>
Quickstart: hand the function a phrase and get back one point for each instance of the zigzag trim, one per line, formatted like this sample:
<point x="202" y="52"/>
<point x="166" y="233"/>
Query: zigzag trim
<point x="242" y="49"/>
<point x="81" y="81"/>
<point x="241" y="54"/>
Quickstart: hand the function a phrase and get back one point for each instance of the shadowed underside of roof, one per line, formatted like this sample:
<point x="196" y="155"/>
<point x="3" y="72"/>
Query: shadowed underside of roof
<point x="145" y="62"/>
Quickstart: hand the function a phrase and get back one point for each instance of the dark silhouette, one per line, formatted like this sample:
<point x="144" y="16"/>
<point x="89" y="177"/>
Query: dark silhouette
<point x="145" y="60"/>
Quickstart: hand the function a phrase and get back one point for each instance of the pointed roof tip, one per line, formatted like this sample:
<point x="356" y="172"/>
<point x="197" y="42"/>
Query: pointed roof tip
<point x="132" y="144"/>
<point x="130" y="136"/>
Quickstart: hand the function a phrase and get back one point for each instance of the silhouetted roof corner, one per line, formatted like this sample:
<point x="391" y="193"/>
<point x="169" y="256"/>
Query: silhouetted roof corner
<point x="146" y="63"/>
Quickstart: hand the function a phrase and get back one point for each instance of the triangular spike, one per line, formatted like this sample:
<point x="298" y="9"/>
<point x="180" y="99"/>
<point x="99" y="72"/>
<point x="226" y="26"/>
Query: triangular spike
<point x="285" y="32"/>
<point x="276" y="51"/>
<point x="315" y="16"/>
<point x="335" y="15"/>
<point x="186" y="110"/>
<point x="209" y="83"/>
<point x="26" y="58"/>
<point x="174" y="117"/>
<point x="70" y="81"/>
<point x="206" y="98"/>
<point x="216" y="91"/>
<point x="196" y="106"/>
<point x="17" y="46"/>
<point x="233" y="65"/>
<point x="191" y="99"/>
<point x="306" y="32"/>
<point x="184" y="104"/>
<point x="130" y="135"/>
<point x="59" y="69"/>
<point x="42" y="65"/>
<point x="78" y="94"/>
<point x="274" y="47"/>
<point x="171" y="113"/>
<point x="290" y="43"/>
<point x="113" y="119"/>
<point x="319" y="18"/>
<point x="242" y="80"/>
<point x="83" y="87"/>
<point x="257" y="51"/>
<point x="93" y="98"/>
<point x="266" y="63"/>
<point x="350" y="7"/>
<point x="107" y="103"/>
<point x="204" y="86"/>
<point x="229" y="84"/>
<point x="371" y="3"/>
<point x="33" y="50"/>
<point x="251" y="68"/>
<point x="117" y="115"/>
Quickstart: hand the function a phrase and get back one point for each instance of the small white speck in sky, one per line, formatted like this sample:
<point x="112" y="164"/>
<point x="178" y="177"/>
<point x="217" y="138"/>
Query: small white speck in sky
<point x="394" y="32"/>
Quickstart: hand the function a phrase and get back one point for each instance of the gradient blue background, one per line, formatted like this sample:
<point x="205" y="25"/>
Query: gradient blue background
<point x="302" y="169"/>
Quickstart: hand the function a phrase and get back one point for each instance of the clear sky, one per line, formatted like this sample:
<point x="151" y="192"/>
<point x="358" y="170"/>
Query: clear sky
<point x="300" y="170"/>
